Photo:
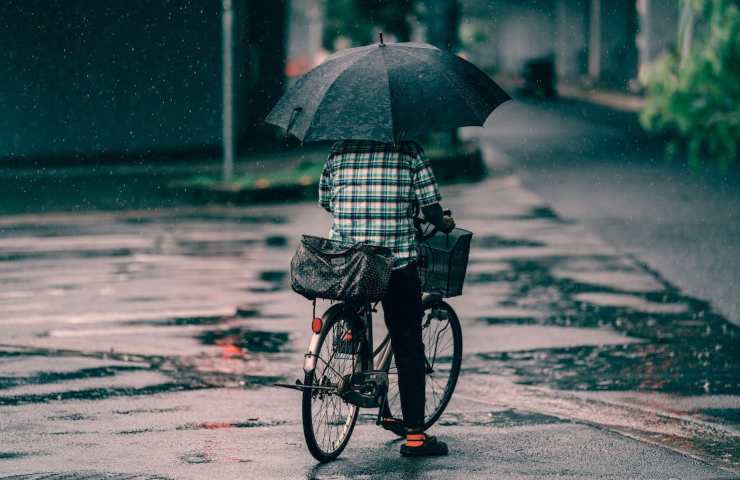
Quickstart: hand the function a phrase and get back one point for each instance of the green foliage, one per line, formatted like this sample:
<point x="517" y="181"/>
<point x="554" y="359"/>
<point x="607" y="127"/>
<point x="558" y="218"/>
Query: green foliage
<point x="304" y="173"/>
<point x="697" y="94"/>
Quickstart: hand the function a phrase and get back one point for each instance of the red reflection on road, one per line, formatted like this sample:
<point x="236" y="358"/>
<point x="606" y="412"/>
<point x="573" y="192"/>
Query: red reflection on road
<point x="228" y="347"/>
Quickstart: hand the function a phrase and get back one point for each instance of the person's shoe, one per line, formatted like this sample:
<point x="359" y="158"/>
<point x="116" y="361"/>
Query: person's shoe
<point x="393" y="425"/>
<point x="422" y="445"/>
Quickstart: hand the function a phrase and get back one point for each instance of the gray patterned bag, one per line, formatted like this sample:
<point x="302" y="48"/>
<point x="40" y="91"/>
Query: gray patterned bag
<point x="323" y="268"/>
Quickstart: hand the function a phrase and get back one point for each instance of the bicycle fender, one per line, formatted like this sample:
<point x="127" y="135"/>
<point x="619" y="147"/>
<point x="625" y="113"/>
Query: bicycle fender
<point x="309" y="361"/>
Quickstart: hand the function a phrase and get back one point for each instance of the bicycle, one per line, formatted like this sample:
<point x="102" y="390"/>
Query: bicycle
<point x="343" y="372"/>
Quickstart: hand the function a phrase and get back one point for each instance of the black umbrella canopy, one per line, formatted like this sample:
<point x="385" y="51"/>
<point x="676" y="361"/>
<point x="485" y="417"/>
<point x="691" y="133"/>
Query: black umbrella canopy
<point x="386" y="92"/>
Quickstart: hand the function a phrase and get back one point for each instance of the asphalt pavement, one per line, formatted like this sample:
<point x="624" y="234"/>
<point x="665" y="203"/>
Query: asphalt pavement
<point x="596" y="164"/>
<point x="144" y="343"/>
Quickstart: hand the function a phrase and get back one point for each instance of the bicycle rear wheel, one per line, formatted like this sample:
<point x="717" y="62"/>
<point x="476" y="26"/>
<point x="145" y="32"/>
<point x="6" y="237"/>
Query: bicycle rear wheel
<point x="328" y="421"/>
<point x="442" y="337"/>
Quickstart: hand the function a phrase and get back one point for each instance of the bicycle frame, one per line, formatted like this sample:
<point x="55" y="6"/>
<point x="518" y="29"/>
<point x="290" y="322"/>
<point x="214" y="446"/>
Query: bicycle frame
<point x="382" y="355"/>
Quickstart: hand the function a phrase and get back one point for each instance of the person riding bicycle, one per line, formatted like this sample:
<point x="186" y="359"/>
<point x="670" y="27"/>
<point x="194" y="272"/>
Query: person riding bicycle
<point x="372" y="190"/>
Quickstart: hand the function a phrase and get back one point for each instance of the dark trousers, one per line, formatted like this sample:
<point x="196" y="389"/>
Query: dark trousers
<point x="403" y="317"/>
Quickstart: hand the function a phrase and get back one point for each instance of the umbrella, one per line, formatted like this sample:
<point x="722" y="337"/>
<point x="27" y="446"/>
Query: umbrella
<point x="386" y="92"/>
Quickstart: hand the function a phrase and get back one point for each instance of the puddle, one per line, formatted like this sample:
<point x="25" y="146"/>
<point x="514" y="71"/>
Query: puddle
<point x="542" y="212"/>
<point x="102" y="393"/>
<point x="41" y="378"/>
<point x="196" y="458"/>
<point x="17" y="455"/>
<point x="87" y="475"/>
<point x="238" y="341"/>
<point x="215" y="248"/>
<point x="65" y="254"/>
<point x="249" y="423"/>
<point x="71" y="417"/>
<point x="270" y="281"/>
<point x="44" y="230"/>
<point x="689" y="348"/>
<point x="688" y="368"/>
<point x="629" y="302"/>
<point x="512" y="316"/>
<point x="143" y="299"/>
<point x="185" y="374"/>
<point x="181" y="321"/>
<point x="501" y="419"/>
<point x="564" y="301"/>
<point x="495" y="241"/>
<point x="150" y="410"/>
<point x="727" y="416"/>
<point x="274" y="276"/>
<point x="139" y="431"/>
<point x="623" y="281"/>
<point x="276" y="241"/>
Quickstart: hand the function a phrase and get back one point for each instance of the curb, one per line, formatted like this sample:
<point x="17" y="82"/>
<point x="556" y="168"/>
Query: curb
<point x="464" y="163"/>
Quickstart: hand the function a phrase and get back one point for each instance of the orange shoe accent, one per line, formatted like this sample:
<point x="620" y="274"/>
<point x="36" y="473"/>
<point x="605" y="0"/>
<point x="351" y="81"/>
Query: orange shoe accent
<point x="415" y="439"/>
<point x="347" y="336"/>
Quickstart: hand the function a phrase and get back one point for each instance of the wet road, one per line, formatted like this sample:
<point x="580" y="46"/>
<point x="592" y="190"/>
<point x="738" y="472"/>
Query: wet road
<point x="597" y="165"/>
<point x="142" y="344"/>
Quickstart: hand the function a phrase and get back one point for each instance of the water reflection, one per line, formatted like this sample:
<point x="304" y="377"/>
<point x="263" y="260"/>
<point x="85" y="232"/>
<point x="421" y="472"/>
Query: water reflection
<point x="690" y="349"/>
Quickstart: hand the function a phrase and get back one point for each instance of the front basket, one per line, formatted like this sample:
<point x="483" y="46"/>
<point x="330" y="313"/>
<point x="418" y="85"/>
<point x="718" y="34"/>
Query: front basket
<point x="443" y="261"/>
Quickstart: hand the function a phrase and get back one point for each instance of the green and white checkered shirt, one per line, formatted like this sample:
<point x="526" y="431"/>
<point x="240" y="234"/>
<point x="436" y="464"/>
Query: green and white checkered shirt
<point x="371" y="189"/>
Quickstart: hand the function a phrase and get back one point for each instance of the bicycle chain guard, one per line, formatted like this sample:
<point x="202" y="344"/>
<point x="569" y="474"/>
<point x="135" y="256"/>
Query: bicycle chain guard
<point x="366" y="389"/>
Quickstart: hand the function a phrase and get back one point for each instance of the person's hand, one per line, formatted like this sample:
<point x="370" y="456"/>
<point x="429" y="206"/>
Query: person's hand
<point x="448" y="224"/>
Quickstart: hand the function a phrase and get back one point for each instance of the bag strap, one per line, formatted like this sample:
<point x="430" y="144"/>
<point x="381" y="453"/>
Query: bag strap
<point x="308" y="242"/>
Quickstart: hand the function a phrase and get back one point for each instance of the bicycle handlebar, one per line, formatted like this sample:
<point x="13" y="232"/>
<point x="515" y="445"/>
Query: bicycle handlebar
<point x="418" y="222"/>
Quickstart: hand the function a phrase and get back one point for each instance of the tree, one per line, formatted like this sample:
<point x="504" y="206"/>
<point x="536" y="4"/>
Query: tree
<point x="694" y="92"/>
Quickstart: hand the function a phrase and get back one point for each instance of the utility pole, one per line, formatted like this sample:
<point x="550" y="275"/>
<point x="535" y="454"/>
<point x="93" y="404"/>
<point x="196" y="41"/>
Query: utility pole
<point x="594" y="40"/>
<point x="227" y="120"/>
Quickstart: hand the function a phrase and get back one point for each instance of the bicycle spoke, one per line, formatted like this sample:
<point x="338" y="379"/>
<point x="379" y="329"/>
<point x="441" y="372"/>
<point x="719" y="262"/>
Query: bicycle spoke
<point x="439" y="348"/>
<point x="332" y="417"/>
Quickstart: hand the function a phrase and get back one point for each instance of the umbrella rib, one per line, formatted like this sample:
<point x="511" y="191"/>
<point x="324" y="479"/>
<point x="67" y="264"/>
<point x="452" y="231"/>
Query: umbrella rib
<point x="458" y="85"/>
<point x="390" y="95"/>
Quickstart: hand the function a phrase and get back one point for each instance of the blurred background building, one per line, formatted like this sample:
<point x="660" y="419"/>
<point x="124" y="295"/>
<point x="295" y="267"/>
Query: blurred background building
<point x="142" y="79"/>
<point x="132" y="79"/>
<point x="600" y="41"/>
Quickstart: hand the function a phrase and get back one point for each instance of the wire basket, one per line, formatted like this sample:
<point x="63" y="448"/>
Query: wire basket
<point x="443" y="260"/>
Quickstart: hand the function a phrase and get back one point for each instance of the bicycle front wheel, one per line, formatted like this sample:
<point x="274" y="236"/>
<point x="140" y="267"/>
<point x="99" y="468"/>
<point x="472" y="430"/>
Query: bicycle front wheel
<point x="442" y="337"/>
<point x="328" y="421"/>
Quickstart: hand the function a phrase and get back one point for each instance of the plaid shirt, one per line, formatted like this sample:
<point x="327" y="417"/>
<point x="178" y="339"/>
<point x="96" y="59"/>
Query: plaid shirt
<point x="371" y="189"/>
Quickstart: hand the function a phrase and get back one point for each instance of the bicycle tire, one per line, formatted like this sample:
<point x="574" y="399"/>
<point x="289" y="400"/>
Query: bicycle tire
<point x="456" y="362"/>
<point x="315" y="447"/>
